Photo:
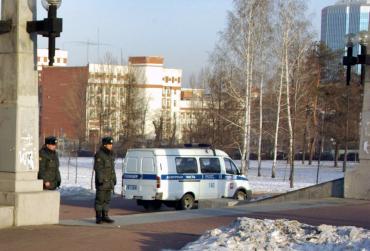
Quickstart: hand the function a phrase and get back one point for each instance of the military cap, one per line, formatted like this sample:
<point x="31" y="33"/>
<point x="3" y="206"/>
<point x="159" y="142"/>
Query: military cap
<point x="51" y="140"/>
<point x="107" y="140"/>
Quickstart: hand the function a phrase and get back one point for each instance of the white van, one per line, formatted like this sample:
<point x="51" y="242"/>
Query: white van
<point x="180" y="176"/>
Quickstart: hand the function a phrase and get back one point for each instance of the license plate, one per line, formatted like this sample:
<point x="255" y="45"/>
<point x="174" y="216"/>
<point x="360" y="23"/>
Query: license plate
<point x="131" y="187"/>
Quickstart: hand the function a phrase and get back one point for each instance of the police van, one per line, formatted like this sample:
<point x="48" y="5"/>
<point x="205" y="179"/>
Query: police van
<point x="179" y="177"/>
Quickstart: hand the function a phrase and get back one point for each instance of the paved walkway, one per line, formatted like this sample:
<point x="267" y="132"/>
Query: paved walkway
<point x="174" y="229"/>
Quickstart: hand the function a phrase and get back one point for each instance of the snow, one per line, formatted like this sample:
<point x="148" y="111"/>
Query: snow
<point x="304" y="176"/>
<point x="83" y="186"/>
<point x="254" y="234"/>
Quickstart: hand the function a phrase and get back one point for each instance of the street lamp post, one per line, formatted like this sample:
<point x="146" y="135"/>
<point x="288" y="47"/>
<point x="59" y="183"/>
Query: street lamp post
<point x="361" y="59"/>
<point x="349" y="60"/>
<point x="50" y="27"/>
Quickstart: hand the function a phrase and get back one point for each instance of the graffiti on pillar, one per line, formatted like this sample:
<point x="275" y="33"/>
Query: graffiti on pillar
<point x="367" y="129"/>
<point x="26" y="155"/>
<point x="366" y="147"/>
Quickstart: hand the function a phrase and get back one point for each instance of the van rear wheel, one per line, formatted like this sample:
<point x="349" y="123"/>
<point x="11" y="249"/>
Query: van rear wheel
<point x="240" y="195"/>
<point x="186" y="202"/>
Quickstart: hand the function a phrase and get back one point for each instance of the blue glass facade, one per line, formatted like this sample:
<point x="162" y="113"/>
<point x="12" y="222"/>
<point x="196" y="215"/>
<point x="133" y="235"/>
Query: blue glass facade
<point x="339" y="20"/>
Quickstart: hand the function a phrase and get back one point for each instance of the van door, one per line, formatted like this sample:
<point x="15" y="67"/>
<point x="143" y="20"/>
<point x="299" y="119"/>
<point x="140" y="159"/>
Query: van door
<point x="148" y="185"/>
<point x="186" y="179"/>
<point x="131" y="177"/>
<point x="211" y="174"/>
<point x="229" y="179"/>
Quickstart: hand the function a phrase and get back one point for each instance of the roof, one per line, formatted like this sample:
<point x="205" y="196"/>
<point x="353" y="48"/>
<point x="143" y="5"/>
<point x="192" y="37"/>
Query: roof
<point x="180" y="151"/>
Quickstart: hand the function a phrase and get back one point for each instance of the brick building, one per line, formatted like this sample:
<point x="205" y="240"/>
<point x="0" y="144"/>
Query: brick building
<point x="62" y="91"/>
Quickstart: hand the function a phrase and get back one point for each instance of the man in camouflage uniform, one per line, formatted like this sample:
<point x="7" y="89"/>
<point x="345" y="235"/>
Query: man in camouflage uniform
<point x="49" y="164"/>
<point x="105" y="180"/>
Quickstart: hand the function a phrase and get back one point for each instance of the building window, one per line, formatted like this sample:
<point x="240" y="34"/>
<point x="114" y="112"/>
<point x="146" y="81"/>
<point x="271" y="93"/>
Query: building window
<point x="45" y="59"/>
<point x="174" y="103"/>
<point x="179" y="79"/>
<point x="173" y="79"/>
<point x="65" y="60"/>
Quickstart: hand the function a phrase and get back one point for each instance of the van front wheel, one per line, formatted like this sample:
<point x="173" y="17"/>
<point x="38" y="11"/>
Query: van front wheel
<point x="186" y="202"/>
<point x="240" y="195"/>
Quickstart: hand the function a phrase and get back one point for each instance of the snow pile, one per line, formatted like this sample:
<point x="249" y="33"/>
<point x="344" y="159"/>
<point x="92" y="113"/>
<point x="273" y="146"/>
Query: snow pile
<point x="253" y="234"/>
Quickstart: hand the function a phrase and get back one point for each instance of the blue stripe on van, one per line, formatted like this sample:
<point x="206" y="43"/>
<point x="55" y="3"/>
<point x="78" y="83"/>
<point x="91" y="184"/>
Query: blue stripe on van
<point x="233" y="177"/>
<point x="181" y="177"/>
<point x="129" y="176"/>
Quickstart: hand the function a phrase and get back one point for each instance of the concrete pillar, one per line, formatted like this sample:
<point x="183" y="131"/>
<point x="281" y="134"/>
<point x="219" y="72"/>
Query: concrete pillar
<point x="357" y="181"/>
<point x="19" y="121"/>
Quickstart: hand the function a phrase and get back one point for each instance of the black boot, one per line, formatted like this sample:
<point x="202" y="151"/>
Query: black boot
<point x="106" y="217"/>
<point x="99" y="217"/>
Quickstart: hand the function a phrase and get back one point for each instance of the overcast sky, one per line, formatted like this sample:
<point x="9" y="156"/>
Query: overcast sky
<point x="184" y="32"/>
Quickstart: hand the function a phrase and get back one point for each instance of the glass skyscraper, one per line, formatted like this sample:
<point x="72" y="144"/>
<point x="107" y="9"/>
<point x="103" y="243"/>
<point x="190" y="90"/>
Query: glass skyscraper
<point x="346" y="16"/>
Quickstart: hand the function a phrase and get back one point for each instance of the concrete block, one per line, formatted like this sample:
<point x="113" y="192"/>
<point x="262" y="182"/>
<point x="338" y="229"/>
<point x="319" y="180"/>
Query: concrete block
<point x="328" y="189"/>
<point x="37" y="208"/>
<point x="217" y="203"/>
<point x="7" y="198"/>
<point x="18" y="176"/>
<point x="20" y="185"/>
<point x="6" y="216"/>
<point x="357" y="183"/>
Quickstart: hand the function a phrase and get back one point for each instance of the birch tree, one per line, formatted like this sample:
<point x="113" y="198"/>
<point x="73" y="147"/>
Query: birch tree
<point x="242" y="28"/>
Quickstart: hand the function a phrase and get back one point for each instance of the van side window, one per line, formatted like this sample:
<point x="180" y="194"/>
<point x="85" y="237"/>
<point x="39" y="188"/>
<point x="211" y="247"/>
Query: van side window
<point x="186" y="165"/>
<point x="148" y="165"/>
<point x="131" y="165"/>
<point x="210" y="165"/>
<point x="230" y="167"/>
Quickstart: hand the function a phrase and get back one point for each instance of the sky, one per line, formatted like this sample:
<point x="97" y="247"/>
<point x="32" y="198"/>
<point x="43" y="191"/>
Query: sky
<point x="184" y="32"/>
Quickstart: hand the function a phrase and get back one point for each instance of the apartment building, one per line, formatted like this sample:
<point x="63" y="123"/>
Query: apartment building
<point x="159" y="99"/>
<point x="157" y="91"/>
<point x="60" y="59"/>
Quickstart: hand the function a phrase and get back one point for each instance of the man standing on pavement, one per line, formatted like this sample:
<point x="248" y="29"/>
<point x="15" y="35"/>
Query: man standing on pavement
<point x="49" y="164"/>
<point x="105" y="180"/>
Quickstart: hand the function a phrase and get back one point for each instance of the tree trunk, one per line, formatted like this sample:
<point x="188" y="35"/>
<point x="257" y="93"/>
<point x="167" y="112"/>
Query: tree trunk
<point x="260" y="128"/>
<point x="336" y="154"/>
<point x="346" y="135"/>
<point x="273" y="169"/>
<point x="289" y="117"/>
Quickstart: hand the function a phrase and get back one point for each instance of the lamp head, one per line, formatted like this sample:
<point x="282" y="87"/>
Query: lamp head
<point x="363" y="37"/>
<point x="350" y="39"/>
<point x="47" y="3"/>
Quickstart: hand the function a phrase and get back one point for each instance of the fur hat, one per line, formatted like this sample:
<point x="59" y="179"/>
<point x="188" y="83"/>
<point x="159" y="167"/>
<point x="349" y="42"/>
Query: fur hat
<point x="107" y="141"/>
<point x="51" y="140"/>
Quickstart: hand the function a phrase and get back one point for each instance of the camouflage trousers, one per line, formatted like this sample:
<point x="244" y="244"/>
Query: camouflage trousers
<point x="102" y="200"/>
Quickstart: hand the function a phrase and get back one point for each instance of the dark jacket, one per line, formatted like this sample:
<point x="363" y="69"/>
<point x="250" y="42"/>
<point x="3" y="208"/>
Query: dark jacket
<point x="105" y="175"/>
<point x="49" y="168"/>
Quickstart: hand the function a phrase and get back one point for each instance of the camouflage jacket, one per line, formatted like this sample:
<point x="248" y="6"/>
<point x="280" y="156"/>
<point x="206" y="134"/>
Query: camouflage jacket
<point x="49" y="168"/>
<point x="105" y="175"/>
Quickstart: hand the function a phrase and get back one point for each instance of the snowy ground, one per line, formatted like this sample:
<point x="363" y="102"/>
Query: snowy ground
<point x="253" y="234"/>
<point x="305" y="175"/>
